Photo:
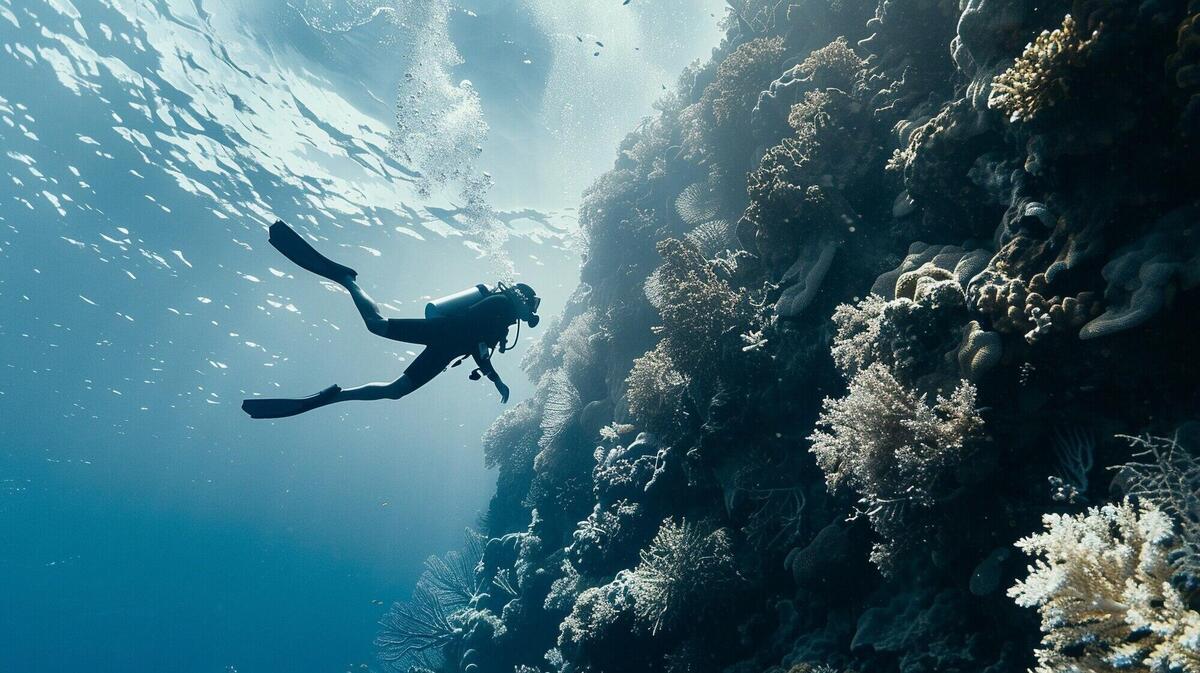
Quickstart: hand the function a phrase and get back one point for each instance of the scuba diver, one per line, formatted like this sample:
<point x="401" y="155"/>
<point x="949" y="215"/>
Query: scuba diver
<point x="473" y="323"/>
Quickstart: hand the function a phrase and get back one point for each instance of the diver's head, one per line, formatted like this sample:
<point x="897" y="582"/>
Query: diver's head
<point x="526" y="301"/>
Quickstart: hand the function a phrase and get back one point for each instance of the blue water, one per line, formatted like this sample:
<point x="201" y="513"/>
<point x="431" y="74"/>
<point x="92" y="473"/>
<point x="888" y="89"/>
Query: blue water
<point x="145" y="523"/>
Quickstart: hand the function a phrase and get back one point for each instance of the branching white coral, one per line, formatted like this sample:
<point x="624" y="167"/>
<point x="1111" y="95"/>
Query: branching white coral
<point x="595" y="611"/>
<point x="856" y="344"/>
<point x="886" y="442"/>
<point x="1102" y="584"/>
<point x="1075" y="450"/>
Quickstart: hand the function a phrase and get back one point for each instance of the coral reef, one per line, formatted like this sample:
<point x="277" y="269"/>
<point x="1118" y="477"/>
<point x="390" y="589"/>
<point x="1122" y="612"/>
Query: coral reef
<point x="964" y="261"/>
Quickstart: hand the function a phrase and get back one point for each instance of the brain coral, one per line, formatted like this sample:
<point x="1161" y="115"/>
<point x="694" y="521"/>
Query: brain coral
<point x="979" y="351"/>
<point x="1016" y="306"/>
<point x="962" y="265"/>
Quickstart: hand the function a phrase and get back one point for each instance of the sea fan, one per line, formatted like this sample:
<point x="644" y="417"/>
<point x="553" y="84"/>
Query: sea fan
<point x="415" y="633"/>
<point x="696" y="205"/>
<point x="576" y="345"/>
<point x="712" y="237"/>
<point x="417" y="630"/>
<point x="561" y="406"/>
<point x="539" y="355"/>
<point x="654" y="289"/>
<point x="451" y="577"/>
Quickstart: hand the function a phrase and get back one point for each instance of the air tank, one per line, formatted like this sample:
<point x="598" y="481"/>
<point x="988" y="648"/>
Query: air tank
<point x="457" y="303"/>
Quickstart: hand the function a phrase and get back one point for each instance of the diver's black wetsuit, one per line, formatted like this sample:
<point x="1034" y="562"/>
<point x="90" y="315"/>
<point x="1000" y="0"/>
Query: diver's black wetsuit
<point x="451" y="337"/>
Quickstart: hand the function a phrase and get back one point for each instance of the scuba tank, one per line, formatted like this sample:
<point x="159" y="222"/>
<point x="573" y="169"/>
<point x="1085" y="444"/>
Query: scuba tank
<point x="457" y="303"/>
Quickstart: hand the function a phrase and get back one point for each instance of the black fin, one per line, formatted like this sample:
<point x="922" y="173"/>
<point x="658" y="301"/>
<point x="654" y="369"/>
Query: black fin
<point x="295" y="248"/>
<point x="284" y="407"/>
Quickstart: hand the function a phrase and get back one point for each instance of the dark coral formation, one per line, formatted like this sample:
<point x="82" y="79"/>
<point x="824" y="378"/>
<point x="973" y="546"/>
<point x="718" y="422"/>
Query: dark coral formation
<point x="965" y="258"/>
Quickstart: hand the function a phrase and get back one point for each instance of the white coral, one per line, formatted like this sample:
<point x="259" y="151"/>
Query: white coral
<point x="1102" y="584"/>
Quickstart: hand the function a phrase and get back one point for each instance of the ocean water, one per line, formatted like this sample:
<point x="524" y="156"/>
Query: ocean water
<point x="145" y="523"/>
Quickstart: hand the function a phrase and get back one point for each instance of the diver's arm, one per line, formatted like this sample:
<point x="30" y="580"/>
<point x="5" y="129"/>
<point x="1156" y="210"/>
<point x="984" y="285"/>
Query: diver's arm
<point x="483" y="360"/>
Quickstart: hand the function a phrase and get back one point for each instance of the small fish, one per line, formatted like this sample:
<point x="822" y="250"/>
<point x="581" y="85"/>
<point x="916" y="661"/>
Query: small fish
<point x="579" y="38"/>
<point x="626" y="2"/>
<point x="599" y="43"/>
<point x="596" y="54"/>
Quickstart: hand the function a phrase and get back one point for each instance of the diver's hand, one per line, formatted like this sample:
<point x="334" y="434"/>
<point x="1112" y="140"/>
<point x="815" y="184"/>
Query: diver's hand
<point x="503" y="390"/>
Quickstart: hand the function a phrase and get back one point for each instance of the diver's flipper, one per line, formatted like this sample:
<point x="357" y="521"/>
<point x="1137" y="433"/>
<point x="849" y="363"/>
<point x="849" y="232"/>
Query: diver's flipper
<point x="295" y="248"/>
<point x="284" y="407"/>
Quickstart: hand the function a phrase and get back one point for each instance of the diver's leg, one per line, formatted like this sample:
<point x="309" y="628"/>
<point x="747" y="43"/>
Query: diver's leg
<point x="284" y="407"/>
<point x="378" y="391"/>
<point x="366" y="307"/>
<point x="430" y="363"/>
<point x="425" y="331"/>
<point x="427" y="365"/>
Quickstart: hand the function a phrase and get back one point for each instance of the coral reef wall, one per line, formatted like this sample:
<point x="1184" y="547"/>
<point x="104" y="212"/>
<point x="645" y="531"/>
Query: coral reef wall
<point x="873" y="291"/>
